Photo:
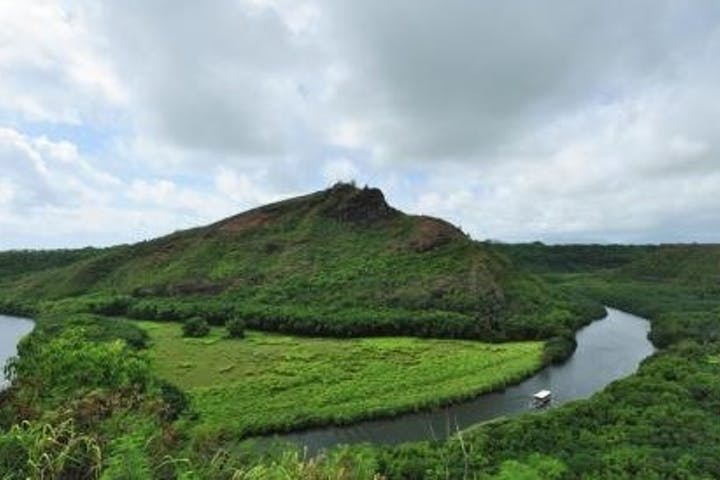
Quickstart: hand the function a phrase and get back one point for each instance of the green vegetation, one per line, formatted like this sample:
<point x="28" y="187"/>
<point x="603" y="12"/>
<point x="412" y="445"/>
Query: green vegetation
<point x="272" y="382"/>
<point x="68" y="387"/>
<point x="95" y="328"/>
<point x="339" y="262"/>
<point x="660" y="423"/>
<point x="16" y="263"/>
<point x="84" y="403"/>
<point x="235" y="328"/>
<point x="96" y="395"/>
<point x="540" y="258"/>
<point x="195" y="327"/>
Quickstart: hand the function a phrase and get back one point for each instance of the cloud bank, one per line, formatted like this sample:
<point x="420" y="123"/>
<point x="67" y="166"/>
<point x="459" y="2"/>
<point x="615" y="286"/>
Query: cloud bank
<point x="575" y="121"/>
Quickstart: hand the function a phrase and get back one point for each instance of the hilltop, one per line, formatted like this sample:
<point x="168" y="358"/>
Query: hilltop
<point x="340" y="261"/>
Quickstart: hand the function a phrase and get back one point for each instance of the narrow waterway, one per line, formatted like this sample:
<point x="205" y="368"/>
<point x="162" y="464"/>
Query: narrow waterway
<point x="607" y="350"/>
<point x="12" y="330"/>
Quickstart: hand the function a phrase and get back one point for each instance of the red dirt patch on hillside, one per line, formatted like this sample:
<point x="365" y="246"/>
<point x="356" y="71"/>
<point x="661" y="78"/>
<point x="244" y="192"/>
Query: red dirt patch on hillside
<point x="244" y="222"/>
<point x="433" y="232"/>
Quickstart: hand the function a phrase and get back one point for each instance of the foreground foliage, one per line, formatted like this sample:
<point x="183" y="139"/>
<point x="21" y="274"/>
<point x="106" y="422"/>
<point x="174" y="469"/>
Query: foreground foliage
<point x="67" y="388"/>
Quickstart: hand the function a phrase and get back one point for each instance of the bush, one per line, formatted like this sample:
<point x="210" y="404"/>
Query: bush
<point x="176" y="401"/>
<point x="559" y="349"/>
<point x="195" y="327"/>
<point x="95" y="328"/>
<point x="235" y="327"/>
<point x="113" y="306"/>
<point x="50" y="371"/>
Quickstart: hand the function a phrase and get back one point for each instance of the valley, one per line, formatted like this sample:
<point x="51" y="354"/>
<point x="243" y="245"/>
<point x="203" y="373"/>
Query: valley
<point x="349" y="310"/>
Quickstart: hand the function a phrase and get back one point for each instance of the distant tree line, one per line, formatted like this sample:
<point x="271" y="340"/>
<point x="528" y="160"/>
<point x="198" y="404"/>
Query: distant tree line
<point x="310" y="320"/>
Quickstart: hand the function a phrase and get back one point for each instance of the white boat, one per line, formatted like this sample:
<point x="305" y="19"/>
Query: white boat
<point x="542" y="397"/>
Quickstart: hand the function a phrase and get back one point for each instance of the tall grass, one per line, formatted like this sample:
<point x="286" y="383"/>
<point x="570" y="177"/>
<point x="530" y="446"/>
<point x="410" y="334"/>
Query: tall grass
<point x="269" y="383"/>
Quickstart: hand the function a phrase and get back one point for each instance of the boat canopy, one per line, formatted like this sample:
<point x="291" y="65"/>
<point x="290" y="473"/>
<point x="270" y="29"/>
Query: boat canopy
<point x="542" y="395"/>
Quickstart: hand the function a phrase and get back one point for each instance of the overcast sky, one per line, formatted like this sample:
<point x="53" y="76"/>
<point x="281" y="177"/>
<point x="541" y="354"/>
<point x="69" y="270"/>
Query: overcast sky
<point x="560" y="121"/>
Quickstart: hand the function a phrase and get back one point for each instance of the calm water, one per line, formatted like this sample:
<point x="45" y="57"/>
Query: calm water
<point x="12" y="329"/>
<point x="608" y="349"/>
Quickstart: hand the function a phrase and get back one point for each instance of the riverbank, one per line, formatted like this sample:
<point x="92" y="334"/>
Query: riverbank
<point x="660" y="422"/>
<point x="608" y="349"/>
<point x="268" y="383"/>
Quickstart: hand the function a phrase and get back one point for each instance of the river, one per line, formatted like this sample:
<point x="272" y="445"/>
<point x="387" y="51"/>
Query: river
<point x="607" y="349"/>
<point x="12" y="329"/>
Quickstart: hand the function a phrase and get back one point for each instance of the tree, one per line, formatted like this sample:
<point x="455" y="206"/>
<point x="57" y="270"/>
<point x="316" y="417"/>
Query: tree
<point x="235" y="327"/>
<point x="195" y="327"/>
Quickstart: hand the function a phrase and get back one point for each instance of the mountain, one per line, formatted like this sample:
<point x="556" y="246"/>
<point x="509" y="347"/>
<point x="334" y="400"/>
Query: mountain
<point x="340" y="261"/>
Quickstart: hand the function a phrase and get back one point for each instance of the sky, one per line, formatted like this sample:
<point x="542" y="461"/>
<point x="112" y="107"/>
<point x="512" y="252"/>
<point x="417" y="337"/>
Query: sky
<point x="563" y="121"/>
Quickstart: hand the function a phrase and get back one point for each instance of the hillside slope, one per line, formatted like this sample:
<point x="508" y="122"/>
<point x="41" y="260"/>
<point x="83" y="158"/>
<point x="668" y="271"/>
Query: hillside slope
<point x="572" y="258"/>
<point x="339" y="261"/>
<point x="693" y="265"/>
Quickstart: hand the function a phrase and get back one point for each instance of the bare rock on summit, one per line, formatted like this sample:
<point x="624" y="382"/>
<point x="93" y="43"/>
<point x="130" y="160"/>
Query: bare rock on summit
<point x="346" y="203"/>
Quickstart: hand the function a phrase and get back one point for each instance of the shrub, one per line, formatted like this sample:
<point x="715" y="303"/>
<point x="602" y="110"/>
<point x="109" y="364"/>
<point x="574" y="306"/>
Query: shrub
<point x="235" y="327"/>
<point x="176" y="401"/>
<point x="559" y="349"/>
<point x="95" y="328"/>
<point x="113" y="306"/>
<point x="195" y="327"/>
<point x="48" y="372"/>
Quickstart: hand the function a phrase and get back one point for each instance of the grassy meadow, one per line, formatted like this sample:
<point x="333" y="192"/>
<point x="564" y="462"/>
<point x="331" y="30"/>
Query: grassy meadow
<point x="270" y="382"/>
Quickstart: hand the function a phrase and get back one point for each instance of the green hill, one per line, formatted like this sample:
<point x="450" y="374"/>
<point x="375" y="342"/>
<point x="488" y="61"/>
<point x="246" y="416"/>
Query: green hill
<point x="693" y="265"/>
<point x="572" y="258"/>
<point x="339" y="261"/>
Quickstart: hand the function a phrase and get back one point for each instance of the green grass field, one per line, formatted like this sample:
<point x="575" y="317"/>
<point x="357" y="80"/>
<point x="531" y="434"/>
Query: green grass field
<point x="271" y="383"/>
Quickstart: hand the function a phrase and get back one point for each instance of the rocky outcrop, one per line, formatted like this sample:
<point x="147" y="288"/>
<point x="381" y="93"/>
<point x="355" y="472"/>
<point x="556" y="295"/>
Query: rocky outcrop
<point x="346" y="203"/>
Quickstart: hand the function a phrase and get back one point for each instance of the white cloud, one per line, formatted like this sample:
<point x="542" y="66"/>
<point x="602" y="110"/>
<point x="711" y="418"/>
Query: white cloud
<point x="51" y="68"/>
<point x="340" y="170"/>
<point x="51" y="195"/>
<point x="578" y="120"/>
<point x="683" y="147"/>
<point x="7" y="191"/>
<point x="246" y="190"/>
<point x="619" y="172"/>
